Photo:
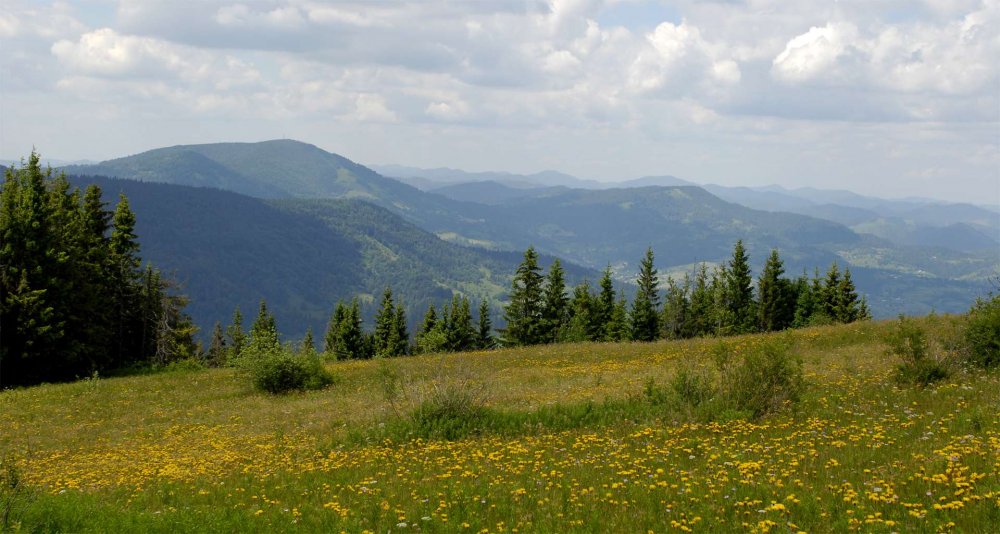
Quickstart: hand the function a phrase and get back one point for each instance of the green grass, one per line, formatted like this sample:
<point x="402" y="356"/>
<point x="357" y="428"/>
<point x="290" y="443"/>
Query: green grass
<point x="554" y="438"/>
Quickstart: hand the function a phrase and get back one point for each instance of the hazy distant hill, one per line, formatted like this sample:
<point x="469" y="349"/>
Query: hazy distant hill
<point x="301" y="255"/>
<point x="591" y="227"/>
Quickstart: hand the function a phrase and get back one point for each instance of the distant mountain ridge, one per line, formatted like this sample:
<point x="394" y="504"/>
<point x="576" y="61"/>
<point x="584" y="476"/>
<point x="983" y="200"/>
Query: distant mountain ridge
<point x="684" y="224"/>
<point x="229" y="249"/>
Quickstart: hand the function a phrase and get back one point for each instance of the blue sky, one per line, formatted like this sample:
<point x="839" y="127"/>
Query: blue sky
<point x="888" y="98"/>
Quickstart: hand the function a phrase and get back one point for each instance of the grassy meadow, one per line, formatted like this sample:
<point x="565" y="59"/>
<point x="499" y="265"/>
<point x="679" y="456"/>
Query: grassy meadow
<point x="570" y="440"/>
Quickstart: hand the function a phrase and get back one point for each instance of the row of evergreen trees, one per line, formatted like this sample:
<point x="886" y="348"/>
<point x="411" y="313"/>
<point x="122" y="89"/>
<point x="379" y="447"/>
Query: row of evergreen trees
<point x="720" y="302"/>
<point x="346" y="337"/>
<point x="74" y="299"/>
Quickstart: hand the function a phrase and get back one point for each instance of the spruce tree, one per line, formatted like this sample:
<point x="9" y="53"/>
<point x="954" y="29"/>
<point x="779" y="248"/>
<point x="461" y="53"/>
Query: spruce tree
<point x="582" y="325"/>
<point x="352" y="340"/>
<point x="807" y="303"/>
<point x="524" y="312"/>
<point x="645" y="307"/>
<point x="28" y="259"/>
<point x="237" y="338"/>
<point x="460" y="333"/>
<point x="604" y="306"/>
<point x="484" y="337"/>
<point x="620" y="328"/>
<point x="308" y="345"/>
<point x="383" y="342"/>
<point x="401" y="337"/>
<point x="263" y="337"/>
<point x="776" y="309"/>
<point x="334" y="327"/>
<point x="830" y="293"/>
<point x="432" y="337"/>
<point x="554" y="304"/>
<point x="847" y="306"/>
<point x="738" y="293"/>
<point x="701" y="318"/>
<point x="216" y="355"/>
<point x="676" y="308"/>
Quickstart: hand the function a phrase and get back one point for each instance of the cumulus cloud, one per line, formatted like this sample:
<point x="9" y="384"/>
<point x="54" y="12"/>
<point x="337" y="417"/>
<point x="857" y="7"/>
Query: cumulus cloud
<point x="717" y="71"/>
<point x="105" y="52"/>
<point x="956" y="58"/>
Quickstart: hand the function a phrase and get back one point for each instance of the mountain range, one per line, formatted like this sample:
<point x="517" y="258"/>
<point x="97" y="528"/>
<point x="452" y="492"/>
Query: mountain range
<point x="468" y="235"/>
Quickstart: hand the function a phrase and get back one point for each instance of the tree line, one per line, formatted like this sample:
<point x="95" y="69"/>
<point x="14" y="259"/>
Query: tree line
<point x="719" y="302"/>
<point x="450" y="330"/>
<point x="74" y="297"/>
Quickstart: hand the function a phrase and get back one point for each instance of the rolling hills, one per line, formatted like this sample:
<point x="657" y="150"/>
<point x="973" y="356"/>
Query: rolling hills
<point x="591" y="227"/>
<point x="228" y="249"/>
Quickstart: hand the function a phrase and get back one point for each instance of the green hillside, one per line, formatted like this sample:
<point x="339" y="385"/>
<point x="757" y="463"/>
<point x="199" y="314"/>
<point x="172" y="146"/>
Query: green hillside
<point x="302" y="255"/>
<point x="593" y="228"/>
<point x="578" y="439"/>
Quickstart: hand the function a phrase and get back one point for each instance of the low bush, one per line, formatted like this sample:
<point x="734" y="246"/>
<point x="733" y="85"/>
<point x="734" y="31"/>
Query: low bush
<point x="282" y="371"/>
<point x="916" y="363"/>
<point x="982" y="333"/>
<point x="748" y="383"/>
<point x="763" y="378"/>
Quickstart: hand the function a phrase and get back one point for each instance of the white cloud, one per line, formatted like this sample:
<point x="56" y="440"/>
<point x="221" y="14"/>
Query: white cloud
<point x="749" y="75"/>
<point x="815" y="53"/>
<point x="373" y="108"/>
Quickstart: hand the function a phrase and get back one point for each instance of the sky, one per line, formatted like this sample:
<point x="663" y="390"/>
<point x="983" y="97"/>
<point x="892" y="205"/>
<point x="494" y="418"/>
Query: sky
<point x="888" y="98"/>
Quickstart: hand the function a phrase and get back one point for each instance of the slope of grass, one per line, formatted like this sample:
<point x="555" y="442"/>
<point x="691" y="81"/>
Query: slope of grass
<point x="570" y="445"/>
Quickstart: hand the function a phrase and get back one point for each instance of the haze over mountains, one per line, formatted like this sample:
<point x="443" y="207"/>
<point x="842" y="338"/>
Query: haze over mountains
<point x="897" y="260"/>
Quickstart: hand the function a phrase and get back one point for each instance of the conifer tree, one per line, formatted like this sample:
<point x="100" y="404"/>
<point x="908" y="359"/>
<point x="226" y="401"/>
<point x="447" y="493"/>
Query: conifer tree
<point x="604" y="305"/>
<point x="524" y="312"/>
<point x="554" y="303"/>
<point x="460" y="333"/>
<point x="830" y="294"/>
<point x="308" y="346"/>
<point x="645" y="307"/>
<point x="737" y="297"/>
<point x="432" y="335"/>
<point x="429" y="322"/>
<point x="216" y="355"/>
<point x="28" y="256"/>
<point x="620" y="328"/>
<point x="807" y="303"/>
<point x="582" y="324"/>
<point x="847" y="306"/>
<point x="676" y="308"/>
<point x="401" y="337"/>
<point x="701" y="320"/>
<point x="263" y="337"/>
<point x="351" y="339"/>
<point x="237" y="338"/>
<point x="484" y="337"/>
<point x="384" y="341"/>
<point x="334" y="328"/>
<point x="776" y="309"/>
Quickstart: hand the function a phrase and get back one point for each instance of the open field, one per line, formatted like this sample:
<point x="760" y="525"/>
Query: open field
<point x="201" y="451"/>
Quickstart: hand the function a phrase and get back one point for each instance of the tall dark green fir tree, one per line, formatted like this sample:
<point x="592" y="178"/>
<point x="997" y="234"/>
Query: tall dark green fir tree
<point x="645" y="307"/>
<point x="484" y="335"/>
<point x="524" y="312"/>
<point x="554" y="303"/>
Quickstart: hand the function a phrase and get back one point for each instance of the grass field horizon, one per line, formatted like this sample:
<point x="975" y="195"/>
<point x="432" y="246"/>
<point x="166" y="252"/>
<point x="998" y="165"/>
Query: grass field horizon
<point x="572" y="444"/>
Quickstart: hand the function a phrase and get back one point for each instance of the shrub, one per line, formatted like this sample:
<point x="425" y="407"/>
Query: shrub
<point x="982" y="332"/>
<point x="451" y="409"/>
<point x="281" y="371"/>
<point x="12" y="497"/>
<point x="692" y="387"/>
<point x="909" y="343"/>
<point x="764" y="379"/>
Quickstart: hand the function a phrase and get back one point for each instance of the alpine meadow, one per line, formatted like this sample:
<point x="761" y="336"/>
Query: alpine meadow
<point x="607" y="266"/>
